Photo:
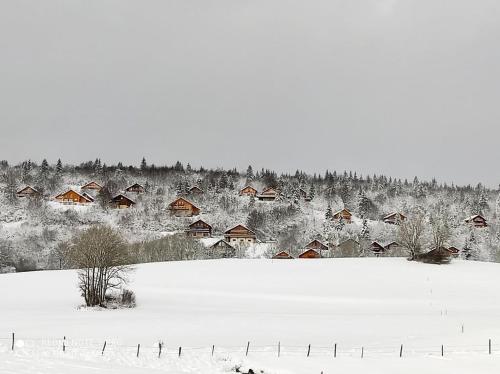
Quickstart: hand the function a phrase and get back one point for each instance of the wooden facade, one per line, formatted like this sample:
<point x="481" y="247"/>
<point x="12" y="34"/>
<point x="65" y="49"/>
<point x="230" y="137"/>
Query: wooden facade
<point x="195" y="190"/>
<point x="394" y="218"/>
<point x="28" y="191"/>
<point x="183" y="208"/>
<point x="92" y="186"/>
<point x="392" y="246"/>
<point x="222" y="249"/>
<point x="73" y="197"/>
<point x="248" y="191"/>
<point x="268" y="194"/>
<point x="122" y="202"/>
<point x="477" y="221"/>
<point x="317" y="245"/>
<point x="199" y="229"/>
<point x="377" y="248"/>
<point x="136" y="188"/>
<point x="240" y="235"/>
<point x="343" y="214"/>
<point x="310" y="253"/>
<point x="283" y="255"/>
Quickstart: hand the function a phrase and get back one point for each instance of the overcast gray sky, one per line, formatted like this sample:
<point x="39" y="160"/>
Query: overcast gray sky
<point x="401" y="87"/>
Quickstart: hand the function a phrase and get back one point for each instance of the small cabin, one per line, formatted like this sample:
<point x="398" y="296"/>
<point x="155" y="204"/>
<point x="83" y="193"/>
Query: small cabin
<point x="73" y="197"/>
<point x="183" y="208"/>
<point x="28" y="191"/>
<point x="195" y="190"/>
<point x="377" y="248"/>
<point x="310" y="253"/>
<point x="240" y="235"/>
<point x="392" y="246"/>
<point x="394" y="218"/>
<point x="317" y="245"/>
<point x="476" y="221"/>
<point x="122" y="202"/>
<point x="92" y="186"/>
<point x="199" y="229"/>
<point x="248" y="191"/>
<point x="136" y="188"/>
<point x="343" y="214"/>
<point x="283" y="255"/>
<point x="268" y="194"/>
<point x="454" y="251"/>
<point x="222" y="248"/>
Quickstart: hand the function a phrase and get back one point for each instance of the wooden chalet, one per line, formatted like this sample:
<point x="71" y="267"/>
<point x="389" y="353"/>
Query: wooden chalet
<point x="438" y="256"/>
<point x="454" y="251"/>
<point x="377" y="248"/>
<point x="136" y="188"/>
<point x="248" y="191"/>
<point x="283" y="255"/>
<point x="394" y="218"/>
<point x="92" y="186"/>
<point x="222" y="248"/>
<point x="73" y="197"/>
<point x="183" y="208"/>
<point x="240" y="235"/>
<point x="343" y="214"/>
<point x="121" y="201"/>
<point x="310" y="253"/>
<point x="199" y="229"/>
<point x="28" y="191"/>
<point x="477" y="221"/>
<point x="317" y="245"/>
<point x="195" y="190"/>
<point x="268" y="194"/>
<point x="392" y="246"/>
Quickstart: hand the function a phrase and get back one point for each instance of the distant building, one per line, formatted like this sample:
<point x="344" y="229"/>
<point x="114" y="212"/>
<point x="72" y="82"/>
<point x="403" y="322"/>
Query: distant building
<point x="222" y="248"/>
<point x="394" y="218"/>
<point x="317" y="245"/>
<point x="121" y="201"/>
<point x="268" y="194"/>
<point x="343" y="214"/>
<point x="73" y="197"/>
<point x="454" y="251"/>
<point x="136" y="188"/>
<point x="283" y="255"/>
<point x="310" y="253"/>
<point x="92" y="186"/>
<point x="183" y="208"/>
<point x="195" y="190"/>
<point x="248" y="191"/>
<point x="200" y="229"/>
<point x="392" y="246"/>
<point x="28" y="191"/>
<point x="240" y="235"/>
<point x="476" y="221"/>
<point x="377" y="248"/>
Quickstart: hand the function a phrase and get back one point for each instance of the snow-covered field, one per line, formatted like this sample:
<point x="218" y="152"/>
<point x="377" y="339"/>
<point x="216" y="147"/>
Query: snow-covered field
<point x="374" y="303"/>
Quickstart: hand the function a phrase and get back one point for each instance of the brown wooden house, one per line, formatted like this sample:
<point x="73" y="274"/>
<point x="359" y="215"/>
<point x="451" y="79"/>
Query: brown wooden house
<point x="240" y="235"/>
<point x="454" y="251"/>
<point x="268" y="194"/>
<point x="317" y="245"/>
<point x="310" y="253"/>
<point x="73" y="197"/>
<point x="248" y="191"/>
<point x="195" y="190"/>
<point x="222" y="248"/>
<point x="283" y="255"/>
<point x="392" y="246"/>
<point x="477" y="221"/>
<point x="92" y="186"/>
<point x="199" y="229"/>
<point x="28" y="191"/>
<point x="377" y="248"/>
<point x="136" y="187"/>
<point x="394" y="218"/>
<point x="183" y="208"/>
<point x="121" y="201"/>
<point x="343" y="214"/>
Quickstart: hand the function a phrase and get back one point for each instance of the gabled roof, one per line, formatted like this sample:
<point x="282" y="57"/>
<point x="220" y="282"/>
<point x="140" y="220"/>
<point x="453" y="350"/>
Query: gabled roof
<point x="27" y="188"/>
<point x="377" y="245"/>
<point x="85" y="196"/>
<point x="134" y="186"/>
<point x="195" y="188"/>
<point x="390" y="215"/>
<point x="117" y="197"/>
<point x="322" y="245"/>
<point x="310" y="251"/>
<point x="90" y="183"/>
<point x="269" y="190"/>
<point x="242" y="226"/>
<point x="283" y="254"/>
<point x="223" y="241"/>
<point x="341" y="211"/>
<point x="471" y="218"/>
<point x="183" y="199"/>
<point x="244" y="188"/>
<point x="200" y="220"/>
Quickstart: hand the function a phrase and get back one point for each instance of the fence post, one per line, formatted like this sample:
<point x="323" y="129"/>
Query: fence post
<point x="462" y="328"/>
<point x="64" y="344"/>
<point x="180" y="350"/>
<point x="13" y="339"/>
<point x="401" y="351"/>
<point x="279" y="348"/>
<point x="335" y="351"/>
<point x="489" y="346"/>
<point x="362" y="352"/>
<point x="248" y="346"/>
<point x="213" y="349"/>
<point x="138" y="349"/>
<point x="159" y="349"/>
<point x="308" y="350"/>
<point x="103" y="348"/>
<point x="442" y="350"/>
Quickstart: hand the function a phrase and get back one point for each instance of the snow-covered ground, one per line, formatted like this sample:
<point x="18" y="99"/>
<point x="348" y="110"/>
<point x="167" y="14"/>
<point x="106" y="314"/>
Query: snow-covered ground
<point x="374" y="303"/>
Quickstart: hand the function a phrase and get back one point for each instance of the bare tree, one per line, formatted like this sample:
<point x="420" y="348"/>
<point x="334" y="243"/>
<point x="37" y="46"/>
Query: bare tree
<point x="100" y="255"/>
<point x="410" y="234"/>
<point x="440" y="232"/>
